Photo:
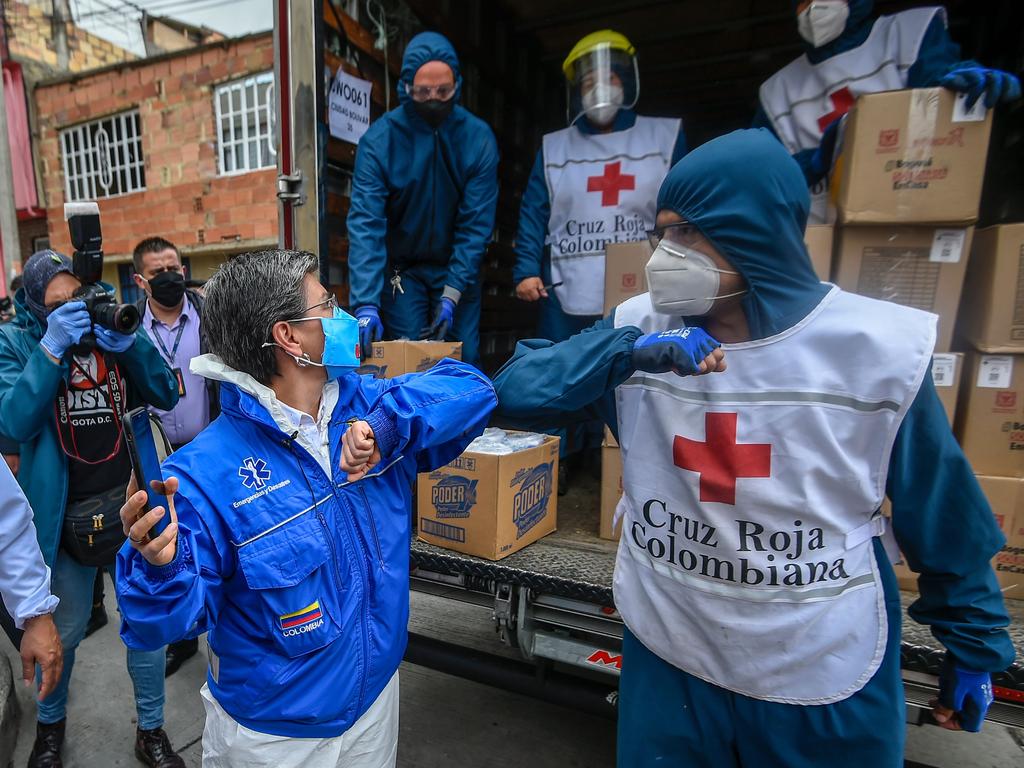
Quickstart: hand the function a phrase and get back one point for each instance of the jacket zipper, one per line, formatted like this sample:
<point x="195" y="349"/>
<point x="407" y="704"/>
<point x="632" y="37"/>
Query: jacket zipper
<point x="373" y="527"/>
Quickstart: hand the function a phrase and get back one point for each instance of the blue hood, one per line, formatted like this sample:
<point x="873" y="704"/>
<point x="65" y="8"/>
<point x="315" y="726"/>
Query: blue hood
<point x="749" y="198"/>
<point x="428" y="46"/>
<point x="858" y="27"/>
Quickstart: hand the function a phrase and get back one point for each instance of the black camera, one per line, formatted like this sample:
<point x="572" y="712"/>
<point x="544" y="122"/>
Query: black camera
<point x="87" y="262"/>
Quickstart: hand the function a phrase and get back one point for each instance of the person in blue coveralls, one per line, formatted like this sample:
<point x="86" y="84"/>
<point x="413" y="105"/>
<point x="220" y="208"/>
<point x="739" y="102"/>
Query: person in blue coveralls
<point x="762" y="613"/>
<point x="847" y="53"/>
<point x="422" y="208"/>
<point x="291" y="540"/>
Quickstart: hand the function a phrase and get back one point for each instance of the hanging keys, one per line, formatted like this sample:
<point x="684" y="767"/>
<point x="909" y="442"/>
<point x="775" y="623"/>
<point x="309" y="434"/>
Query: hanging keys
<point x="396" y="285"/>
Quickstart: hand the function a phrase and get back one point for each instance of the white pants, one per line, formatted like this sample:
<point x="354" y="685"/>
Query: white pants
<point x="371" y="742"/>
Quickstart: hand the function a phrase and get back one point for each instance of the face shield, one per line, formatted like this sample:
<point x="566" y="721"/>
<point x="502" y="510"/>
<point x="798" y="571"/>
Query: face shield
<point x="600" y="82"/>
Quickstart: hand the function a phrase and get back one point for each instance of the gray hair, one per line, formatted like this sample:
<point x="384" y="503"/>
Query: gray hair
<point x="245" y="298"/>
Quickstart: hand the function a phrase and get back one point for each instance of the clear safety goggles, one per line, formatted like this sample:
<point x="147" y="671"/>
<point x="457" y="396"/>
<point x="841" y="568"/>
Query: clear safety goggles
<point x="427" y="92"/>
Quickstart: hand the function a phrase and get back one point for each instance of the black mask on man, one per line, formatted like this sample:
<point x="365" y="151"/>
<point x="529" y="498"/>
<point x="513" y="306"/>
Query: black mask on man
<point x="168" y="288"/>
<point x="434" y="111"/>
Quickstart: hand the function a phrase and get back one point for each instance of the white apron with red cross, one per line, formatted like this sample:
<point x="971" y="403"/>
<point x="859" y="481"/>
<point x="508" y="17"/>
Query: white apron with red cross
<point x="603" y="189"/>
<point x="802" y="98"/>
<point x="751" y="497"/>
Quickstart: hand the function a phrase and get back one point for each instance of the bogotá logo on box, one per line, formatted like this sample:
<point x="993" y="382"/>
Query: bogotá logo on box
<point x="530" y="504"/>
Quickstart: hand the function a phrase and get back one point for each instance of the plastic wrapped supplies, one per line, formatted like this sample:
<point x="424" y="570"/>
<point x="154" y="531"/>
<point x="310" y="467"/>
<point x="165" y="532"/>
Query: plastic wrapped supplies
<point x="498" y="442"/>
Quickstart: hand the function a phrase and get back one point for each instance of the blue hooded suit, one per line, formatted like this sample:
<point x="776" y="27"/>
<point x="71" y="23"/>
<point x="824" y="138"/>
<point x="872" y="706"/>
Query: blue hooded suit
<point x="942" y="522"/>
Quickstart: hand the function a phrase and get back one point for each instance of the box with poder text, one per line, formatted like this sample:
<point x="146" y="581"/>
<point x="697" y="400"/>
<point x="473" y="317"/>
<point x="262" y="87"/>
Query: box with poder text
<point x="490" y="505"/>
<point x="394" y="358"/>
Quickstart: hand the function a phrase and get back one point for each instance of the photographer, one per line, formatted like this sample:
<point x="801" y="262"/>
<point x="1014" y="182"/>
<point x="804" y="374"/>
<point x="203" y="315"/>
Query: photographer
<point x="63" y="401"/>
<point x="291" y="546"/>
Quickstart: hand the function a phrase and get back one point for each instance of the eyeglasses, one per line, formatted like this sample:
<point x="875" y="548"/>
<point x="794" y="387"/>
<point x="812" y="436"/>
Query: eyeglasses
<point x="331" y="302"/>
<point x="683" y="232"/>
<point x="425" y="92"/>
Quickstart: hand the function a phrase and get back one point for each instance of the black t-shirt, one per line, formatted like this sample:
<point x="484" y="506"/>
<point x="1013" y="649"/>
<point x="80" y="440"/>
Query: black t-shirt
<point x="89" y="410"/>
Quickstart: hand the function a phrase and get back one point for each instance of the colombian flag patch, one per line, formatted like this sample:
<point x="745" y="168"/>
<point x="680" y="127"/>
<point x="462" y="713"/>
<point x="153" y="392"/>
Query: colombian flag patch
<point x="307" y="615"/>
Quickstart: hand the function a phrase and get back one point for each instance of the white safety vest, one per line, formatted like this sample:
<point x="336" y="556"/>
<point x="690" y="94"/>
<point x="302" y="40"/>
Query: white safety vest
<point x="802" y="98"/>
<point x="751" y="498"/>
<point x="603" y="189"/>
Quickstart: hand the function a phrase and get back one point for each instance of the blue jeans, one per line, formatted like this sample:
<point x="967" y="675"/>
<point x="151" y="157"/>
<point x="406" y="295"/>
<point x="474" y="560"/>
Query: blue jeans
<point x="73" y="584"/>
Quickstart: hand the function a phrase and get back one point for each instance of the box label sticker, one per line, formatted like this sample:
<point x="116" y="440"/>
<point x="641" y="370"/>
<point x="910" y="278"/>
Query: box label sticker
<point x="995" y="372"/>
<point x="961" y="114"/>
<point x="943" y="370"/>
<point x="530" y="504"/>
<point x="443" y="530"/>
<point x="948" y="245"/>
<point x="453" y="496"/>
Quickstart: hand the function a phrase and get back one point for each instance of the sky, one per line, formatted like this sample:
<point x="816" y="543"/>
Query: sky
<point x="118" y="20"/>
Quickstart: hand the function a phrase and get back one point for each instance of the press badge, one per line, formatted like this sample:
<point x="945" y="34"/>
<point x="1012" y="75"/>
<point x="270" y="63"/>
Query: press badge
<point x="181" y="381"/>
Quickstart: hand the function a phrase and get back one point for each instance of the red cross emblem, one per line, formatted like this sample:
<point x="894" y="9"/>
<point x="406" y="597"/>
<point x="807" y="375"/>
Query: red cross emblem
<point x="841" y="100"/>
<point x="720" y="460"/>
<point x="611" y="183"/>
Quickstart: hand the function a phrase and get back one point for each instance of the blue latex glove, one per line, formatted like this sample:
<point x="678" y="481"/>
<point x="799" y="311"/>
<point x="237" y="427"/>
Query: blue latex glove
<point x="820" y="162"/>
<point x="997" y="87"/>
<point x="64" y="327"/>
<point x="967" y="693"/>
<point x="112" y="341"/>
<point x="443" y="318"/>
<point x="371" y="329"/>
<point x="680" y="351"/>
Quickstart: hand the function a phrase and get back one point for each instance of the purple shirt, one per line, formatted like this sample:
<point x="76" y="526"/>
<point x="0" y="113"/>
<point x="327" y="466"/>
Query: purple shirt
<point x="192" y="413"/>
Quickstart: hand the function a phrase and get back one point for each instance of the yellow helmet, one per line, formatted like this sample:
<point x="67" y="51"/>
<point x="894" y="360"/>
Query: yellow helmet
<point x="605" y="38"/>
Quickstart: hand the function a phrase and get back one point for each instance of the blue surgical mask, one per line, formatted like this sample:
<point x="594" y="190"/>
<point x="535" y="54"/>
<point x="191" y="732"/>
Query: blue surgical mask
<point x="341" y="344"/>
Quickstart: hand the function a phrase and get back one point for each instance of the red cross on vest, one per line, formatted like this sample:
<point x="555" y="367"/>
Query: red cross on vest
<point x="841" y="100"/>
<point x="720" y="460"/>
<point x="611" y="183"/>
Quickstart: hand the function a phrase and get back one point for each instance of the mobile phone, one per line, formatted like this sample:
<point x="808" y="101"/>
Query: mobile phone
<point x="145" y="464"/>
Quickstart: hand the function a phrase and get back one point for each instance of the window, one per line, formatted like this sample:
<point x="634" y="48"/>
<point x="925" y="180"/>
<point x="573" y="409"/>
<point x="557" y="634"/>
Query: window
<point x="103" y="158"/>
<point x="245" y="124"/>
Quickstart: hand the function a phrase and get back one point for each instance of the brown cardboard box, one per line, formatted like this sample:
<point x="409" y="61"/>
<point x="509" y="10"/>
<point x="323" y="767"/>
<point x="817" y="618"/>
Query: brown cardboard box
<point x="818" y="238"/>
<point x="490" y="505"/>
<point x="394" y="358"/>
<point x="611" y="485"/>
<point x="990" y="414"/>
<point x="911" y="156"/>
<point x="920" y="267"/>
<point x="624" y="274"/>
<point x="992" y="307"/>
<point x="947" y="373"/>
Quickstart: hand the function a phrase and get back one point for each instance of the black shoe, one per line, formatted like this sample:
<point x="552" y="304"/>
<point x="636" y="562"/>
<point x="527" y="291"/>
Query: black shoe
<point x="154" y="749"/>
<point x="178" y="653"/>
<point x="49" y="740"/>
<point x="97" y="619"/>
<point x="563" y="478"/>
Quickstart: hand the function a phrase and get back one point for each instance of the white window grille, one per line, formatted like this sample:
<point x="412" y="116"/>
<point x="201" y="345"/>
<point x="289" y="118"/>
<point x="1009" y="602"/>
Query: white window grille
<point x="245" y="124"/>
<point x="103" y="158"/>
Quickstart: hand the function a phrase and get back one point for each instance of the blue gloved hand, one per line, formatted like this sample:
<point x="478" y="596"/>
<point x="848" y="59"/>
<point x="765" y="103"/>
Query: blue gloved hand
<point x="112" y="341"/>
<point x="820" y="162"/>
<point x="443" y="318"/>
<point x="680" y="350"/>
<point x="371" y="329"/>
<point x="996" y="86"/>
<point x="964" y="697"/>
<point x="64" y="327"/>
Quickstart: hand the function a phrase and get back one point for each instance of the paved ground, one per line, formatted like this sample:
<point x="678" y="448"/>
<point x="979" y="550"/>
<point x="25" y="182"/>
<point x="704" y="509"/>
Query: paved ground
<point x="446" y="722"/>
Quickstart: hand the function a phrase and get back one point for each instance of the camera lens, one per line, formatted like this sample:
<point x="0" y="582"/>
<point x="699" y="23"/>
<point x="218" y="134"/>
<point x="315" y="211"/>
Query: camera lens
<point x="126" y="318"/>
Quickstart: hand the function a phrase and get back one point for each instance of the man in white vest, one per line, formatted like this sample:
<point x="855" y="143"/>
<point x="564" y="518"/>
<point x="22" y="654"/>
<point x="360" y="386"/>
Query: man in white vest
<point x="762" y="613"/>
<point x="847" y="53"/>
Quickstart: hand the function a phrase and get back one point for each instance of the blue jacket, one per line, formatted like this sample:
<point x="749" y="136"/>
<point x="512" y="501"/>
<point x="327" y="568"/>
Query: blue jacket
<point x="28" y="388"/>
<point x="421" y="195"/>
<point x="532" y="258"/>
<point x="301" y="580"/>
<point x="941" y="518"/>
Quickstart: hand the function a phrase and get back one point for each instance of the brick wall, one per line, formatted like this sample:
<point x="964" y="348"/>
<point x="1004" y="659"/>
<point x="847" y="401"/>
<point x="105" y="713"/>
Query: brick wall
<point x="31" y="39"/>
<point x="185" y="200"/>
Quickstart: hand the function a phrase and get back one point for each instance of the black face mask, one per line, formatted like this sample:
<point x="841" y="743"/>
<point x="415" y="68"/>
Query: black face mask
<point x="168" y="289"/>
<point x="434" y="111"/>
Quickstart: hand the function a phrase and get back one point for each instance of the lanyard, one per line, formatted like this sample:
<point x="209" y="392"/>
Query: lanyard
<point x="177" y="340"/>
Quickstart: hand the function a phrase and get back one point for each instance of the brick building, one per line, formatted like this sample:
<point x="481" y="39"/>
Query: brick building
<point x="180" y="145"/>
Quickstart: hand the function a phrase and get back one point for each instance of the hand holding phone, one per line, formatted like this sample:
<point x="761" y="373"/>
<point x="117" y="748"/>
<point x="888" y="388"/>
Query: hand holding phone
<point x="145" y="517"/>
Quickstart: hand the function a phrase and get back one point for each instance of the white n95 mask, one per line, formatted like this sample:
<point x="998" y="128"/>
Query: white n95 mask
<point x="683" y="281"/>
<point x="602" y="102"/>
<point x="823" y="21"/>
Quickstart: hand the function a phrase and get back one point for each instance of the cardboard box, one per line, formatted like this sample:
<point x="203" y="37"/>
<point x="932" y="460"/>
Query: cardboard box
<point x="624" y="274"/>
<point x="490" y="505"/>
<point x="818" y="239"/>
<point x="611" y="485"/>
<point x="990" y="414"/>
<point x="912" y="156"/>
<point x="992" y="307"/>
<point x="947" y="373"/>
<point x="920" y="267"/>
<point x="394" y="358"/>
